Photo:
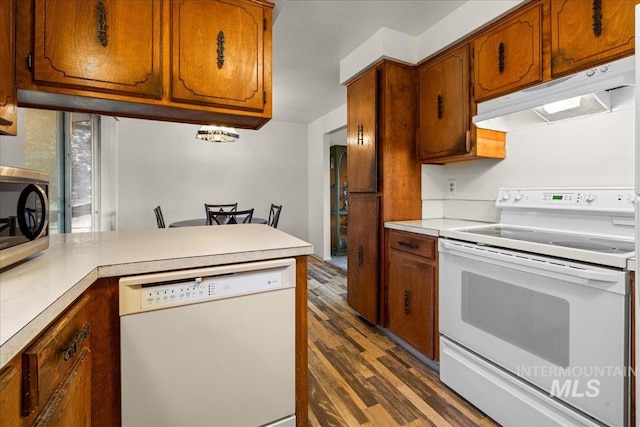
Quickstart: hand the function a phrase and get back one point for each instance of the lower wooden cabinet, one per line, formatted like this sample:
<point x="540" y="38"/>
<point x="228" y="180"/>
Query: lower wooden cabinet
<point x="362" y="258"/>
<point x="412" y="284"/>
<point x="49" y="383"/>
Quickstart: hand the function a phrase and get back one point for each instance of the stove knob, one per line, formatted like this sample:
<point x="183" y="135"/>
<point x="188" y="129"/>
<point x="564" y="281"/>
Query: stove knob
<point x="506" y="196"/>
<point x="590" y="198"/>
<point x="518" y="197"/>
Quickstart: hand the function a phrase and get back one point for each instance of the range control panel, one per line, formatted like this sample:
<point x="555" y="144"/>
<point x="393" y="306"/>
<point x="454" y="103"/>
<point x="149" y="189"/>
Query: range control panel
<point x="619" y="200"/>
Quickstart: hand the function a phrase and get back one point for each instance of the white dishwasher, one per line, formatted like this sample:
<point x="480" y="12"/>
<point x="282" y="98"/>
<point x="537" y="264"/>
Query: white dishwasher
<point x="209" y="347"/>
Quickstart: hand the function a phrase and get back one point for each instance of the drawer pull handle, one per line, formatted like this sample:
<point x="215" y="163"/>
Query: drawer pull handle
<point x="408" y="245"/>
<point x="101" y="12"/>
<point x="75" y="345"/>
<point x="407" y="299"/>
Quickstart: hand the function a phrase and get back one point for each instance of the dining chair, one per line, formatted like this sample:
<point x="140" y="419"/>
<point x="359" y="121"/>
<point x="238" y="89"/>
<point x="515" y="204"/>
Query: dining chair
<point x="274" y="215"/>
<point x="235" y="217"/>
<point x="159" y="217"/>
<point x="224" y="207"/>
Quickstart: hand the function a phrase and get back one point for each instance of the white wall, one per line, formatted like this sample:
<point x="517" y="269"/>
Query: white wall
<point x="12" y="147"/>
<point x="319" y="137"/>
<point x="590" y="151"/>
<point x="162" y="163"/>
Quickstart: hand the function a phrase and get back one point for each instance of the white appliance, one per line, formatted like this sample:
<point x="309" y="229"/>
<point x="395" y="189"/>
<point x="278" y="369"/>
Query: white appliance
<point x="595" y="90"/>
<point x="209" y="347"/>
<point x="535" y="330"/>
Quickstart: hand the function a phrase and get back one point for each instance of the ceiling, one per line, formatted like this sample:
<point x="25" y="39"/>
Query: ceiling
<point x="311" y="37"/>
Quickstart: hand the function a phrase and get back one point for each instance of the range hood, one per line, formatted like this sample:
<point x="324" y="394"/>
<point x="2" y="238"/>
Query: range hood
<point x="595" y="90"/>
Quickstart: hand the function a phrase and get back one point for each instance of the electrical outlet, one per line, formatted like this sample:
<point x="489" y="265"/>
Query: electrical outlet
<point x="451" y="186"/>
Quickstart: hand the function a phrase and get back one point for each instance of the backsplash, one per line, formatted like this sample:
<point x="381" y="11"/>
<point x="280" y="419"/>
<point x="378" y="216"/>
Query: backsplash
<point x="596" y="151"/>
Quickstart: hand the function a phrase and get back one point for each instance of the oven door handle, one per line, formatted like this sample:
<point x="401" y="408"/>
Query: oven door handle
<point x="569" y="273"/>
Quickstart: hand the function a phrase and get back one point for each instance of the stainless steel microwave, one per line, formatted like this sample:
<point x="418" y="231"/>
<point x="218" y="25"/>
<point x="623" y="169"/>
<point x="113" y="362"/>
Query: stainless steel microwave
<point x="24" y="214"/>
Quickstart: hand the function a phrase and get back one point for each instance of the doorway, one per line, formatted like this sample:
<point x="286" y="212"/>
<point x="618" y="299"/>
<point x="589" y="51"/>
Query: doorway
<point x="339" y="205"/>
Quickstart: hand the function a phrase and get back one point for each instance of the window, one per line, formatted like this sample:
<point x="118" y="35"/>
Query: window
<point x="67" y="146"/>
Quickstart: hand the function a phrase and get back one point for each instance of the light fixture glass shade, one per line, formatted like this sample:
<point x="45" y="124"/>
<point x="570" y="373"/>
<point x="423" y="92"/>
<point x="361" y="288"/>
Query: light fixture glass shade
<point x="217" y="134"/>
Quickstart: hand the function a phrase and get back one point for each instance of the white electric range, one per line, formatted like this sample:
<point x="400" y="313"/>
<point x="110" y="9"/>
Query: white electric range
<point x="534" y="310"/>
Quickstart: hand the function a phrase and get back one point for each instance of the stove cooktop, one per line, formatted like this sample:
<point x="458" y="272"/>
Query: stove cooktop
<point x="553" y="238"/>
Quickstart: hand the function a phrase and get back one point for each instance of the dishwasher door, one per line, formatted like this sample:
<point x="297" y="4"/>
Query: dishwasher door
<point x="209" y="347"/>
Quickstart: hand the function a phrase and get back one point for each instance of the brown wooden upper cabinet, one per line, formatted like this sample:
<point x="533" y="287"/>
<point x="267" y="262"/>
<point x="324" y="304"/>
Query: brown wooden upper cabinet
<point x="106" y="45"/>
<point x="192" y="61"/>
<point x="445" y="107"/>
<point x="362" y="146"/>
<point x="509" y="56"/>
<point x="586" y="33"/>
<point x="8" y="93"/>
<point x="218" y="51"/>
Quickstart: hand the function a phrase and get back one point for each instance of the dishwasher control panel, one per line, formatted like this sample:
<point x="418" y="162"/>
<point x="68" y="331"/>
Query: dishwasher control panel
<point x="208" y="288"/>
<point x="163" y="290"/>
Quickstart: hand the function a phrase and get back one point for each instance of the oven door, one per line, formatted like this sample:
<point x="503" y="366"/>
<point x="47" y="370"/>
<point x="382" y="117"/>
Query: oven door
<point x="561" y="326"/>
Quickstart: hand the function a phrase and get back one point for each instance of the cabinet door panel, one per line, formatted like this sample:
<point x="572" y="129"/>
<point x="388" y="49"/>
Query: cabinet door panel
<point x="10" y="395"/>
<point x="70" y="405"/>
<point x="588" y="33"/>
<point x="411" y="301"/>
<point x="104" y="45"/>
<point x="443" y="104"/>
<point x="8" y="94"/>
<point x="218" y="51"/>
<point x="362" y="149"/>
<point x="362" y="258"/>
<point x="510" y="57"/>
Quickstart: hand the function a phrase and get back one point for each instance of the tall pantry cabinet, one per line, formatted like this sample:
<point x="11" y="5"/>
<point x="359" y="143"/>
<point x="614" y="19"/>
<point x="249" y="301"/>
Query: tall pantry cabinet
<point x="384" y="176"/>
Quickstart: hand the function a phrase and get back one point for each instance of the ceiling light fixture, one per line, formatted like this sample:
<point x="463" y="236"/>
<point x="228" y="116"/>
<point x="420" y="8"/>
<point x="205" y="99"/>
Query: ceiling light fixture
<point x="217" y="134"/>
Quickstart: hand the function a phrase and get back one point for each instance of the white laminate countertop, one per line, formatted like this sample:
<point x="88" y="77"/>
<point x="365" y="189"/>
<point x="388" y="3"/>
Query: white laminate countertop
<point x="431" y="227"/>
<point x="34" y="292"/>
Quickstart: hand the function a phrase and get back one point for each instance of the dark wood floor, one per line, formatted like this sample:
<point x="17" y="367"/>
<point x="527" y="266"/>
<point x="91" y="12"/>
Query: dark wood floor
<point x="358" y="376"/>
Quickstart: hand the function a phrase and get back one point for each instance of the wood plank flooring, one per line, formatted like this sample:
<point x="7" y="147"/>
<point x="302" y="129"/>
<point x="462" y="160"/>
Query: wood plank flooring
<point x="360" y="377"/>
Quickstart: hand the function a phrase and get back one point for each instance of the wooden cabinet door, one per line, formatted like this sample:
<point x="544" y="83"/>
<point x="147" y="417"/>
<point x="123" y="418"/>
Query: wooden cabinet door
<point x="510" y="56"/>
<point x="587" y="33"/>
<point x="411" y="301"/>
<point x="362" y="145"/>
<point x="99" y="45"/>
<point x="8" y="92"/>
<point x="10" y="395"/>
<point x="443" y="105"/>
<point x="70" y="405"/>
<point x="362" y="255"/>
<point x="218" y="53"/>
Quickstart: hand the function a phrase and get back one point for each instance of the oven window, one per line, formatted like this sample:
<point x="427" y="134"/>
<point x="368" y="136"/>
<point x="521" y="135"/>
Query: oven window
<point x="536" y="322"/>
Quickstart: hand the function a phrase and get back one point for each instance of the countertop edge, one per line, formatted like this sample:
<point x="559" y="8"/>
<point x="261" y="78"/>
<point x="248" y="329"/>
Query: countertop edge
<point x="17" y="343"/>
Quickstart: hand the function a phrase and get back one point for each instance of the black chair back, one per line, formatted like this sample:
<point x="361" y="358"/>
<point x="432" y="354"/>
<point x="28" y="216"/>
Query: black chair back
<point x="159" y="217"/>
<point x="225" y="207"/>
<point x="235" y="217"/>
<point x="274" y="215"/>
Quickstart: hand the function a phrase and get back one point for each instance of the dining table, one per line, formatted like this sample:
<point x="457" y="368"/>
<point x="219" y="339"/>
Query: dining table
<point x="203" y="221"/>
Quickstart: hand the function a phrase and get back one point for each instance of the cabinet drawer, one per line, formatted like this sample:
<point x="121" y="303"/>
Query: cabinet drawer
<point x="47" y="361"/>
<point x="413" y="243"/>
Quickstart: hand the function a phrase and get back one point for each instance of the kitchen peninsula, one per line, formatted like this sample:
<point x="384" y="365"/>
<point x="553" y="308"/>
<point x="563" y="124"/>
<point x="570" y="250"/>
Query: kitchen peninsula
<point x="35" y="293"/>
